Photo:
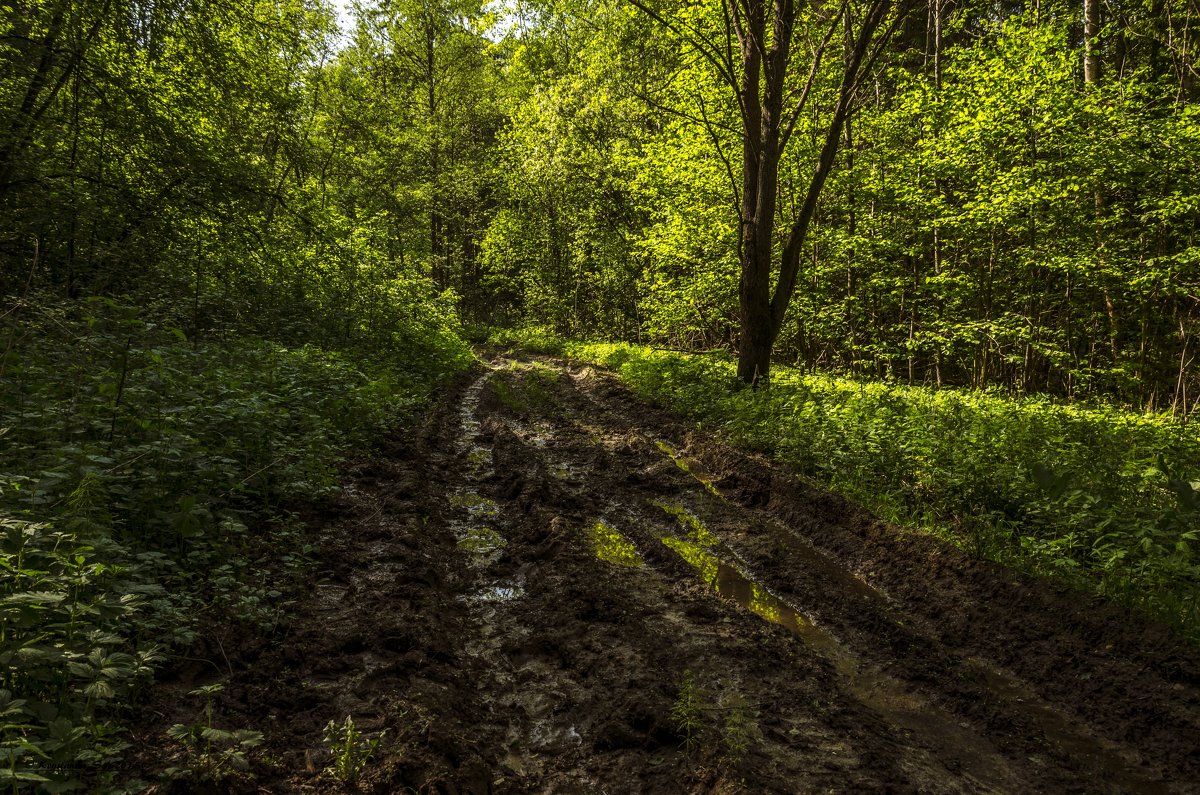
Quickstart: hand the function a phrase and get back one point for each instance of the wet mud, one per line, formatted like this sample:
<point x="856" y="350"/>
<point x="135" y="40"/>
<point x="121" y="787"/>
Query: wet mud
<point x="551" y="587"/>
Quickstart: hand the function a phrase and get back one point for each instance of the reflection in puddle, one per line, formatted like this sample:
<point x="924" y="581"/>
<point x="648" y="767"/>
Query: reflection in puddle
<point x="670" y="452"/>
<point x="497" y="592"/>
<point x="881" y="692"/>
<point x="478" y="457"/>
<point x="476" y="504"/>
<point x="730" y="583"/>
<point x="696" y="531"/>
<point x="483" y="542"/>
<point x="614" y="548"/>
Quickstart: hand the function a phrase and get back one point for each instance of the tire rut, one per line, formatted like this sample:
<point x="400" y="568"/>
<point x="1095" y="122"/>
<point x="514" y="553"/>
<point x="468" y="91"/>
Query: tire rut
<point x="553" y="587"/>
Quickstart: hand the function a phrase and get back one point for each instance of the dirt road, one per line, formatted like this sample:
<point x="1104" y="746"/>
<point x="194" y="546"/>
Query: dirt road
<point x="552" y="587"/>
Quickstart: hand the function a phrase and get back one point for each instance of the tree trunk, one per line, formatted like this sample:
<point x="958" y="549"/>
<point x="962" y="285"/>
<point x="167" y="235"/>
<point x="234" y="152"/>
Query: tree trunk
<point x="1091" y="47"/>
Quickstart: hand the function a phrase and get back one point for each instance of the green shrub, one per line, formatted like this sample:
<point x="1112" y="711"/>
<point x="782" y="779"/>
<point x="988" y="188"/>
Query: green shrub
<point x="143" y="479"/>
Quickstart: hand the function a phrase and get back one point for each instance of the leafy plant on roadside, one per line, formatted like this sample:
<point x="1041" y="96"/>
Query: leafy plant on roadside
<point x="141" y="484"/>
<point x="349" y="749"/>
<point x="64" y="657"/>
<point x="211" y="754"/>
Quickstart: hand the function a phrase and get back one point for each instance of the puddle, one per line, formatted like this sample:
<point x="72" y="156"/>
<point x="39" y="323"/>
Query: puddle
<point x="470" y="404"/>
<point x="547" y="737"/>
<point x="500" y="593"/>
<point x="475" y="504"/>
<point x="680" y="462"/>
<point x="562" y="471"/>
<point x="884" y="694"/>
<point x="614" y="548"/>
<point x="483" y="542"/>
<point x="696" y="531"/>
<point x="478" y="457"/>
<point x="497" y="592"/>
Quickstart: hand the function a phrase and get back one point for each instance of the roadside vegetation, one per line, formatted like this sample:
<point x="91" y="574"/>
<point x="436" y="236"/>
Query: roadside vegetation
<point x="239" y="238"/>
<point x="1106" y="498"/>
<point x="145" y="486"/>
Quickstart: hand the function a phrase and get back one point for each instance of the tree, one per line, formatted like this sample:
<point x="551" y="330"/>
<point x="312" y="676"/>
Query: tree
<point x="772" y="92"/>
<point x="435" y="86"/>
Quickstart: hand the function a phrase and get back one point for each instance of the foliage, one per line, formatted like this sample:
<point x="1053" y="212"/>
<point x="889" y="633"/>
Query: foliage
<point x="349" y="750"/>
<point x="211" y="754"/>
<point x="143" y="482"/>
<point x="991" y="221"/>
<point x="63" y="607"/>
<point x="687" y="711"/>
<point x="1103" y="497"/>
<point x="722" y="724"/>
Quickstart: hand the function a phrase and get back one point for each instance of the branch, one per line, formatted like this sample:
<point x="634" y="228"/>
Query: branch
<point x="818" y="56"/>
<point x="710" y="54"/>
<point x="712" y="133"/>
<point x="790" y="260"/>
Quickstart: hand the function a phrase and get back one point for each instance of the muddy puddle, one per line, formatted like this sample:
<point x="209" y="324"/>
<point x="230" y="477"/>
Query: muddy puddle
<point x="613" y="547"/>
<point x="497" y="592"/>
<point x="1067" y="735"/>
<point x="711" y="560"/>
<point x="483" y="543"/>
<point x="690" y="467"/>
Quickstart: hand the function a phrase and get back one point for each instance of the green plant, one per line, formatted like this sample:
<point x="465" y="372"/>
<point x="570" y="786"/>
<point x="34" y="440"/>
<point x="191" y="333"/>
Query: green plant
<point x="211" y="754"/>
<point x="142" y="479"/>
<point x="725" y="724"/>
<point x="349" y="750"/>
<point x="739" y="728"/>
<point x="687" y="713"/>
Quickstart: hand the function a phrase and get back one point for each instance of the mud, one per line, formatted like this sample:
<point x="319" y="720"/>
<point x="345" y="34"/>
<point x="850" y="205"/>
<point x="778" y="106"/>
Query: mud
<point x="553" y="587"/>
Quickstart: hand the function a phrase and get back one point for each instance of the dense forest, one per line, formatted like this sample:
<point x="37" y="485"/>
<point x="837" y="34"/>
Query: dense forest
<point x="1009" y="202"/>
<point x="940" y="256"/>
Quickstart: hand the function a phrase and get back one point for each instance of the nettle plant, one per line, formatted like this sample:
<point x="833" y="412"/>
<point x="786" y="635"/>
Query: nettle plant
<point x="63" y="658"/>
<point x="142" y="479"/>
<point x="211" y="754"/>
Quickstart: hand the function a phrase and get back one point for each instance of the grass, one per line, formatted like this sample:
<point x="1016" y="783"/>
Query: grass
<point x="1104" y="498"/>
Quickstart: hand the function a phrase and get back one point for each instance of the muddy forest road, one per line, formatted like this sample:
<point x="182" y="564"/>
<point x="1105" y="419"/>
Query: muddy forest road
<point x="552" y="587"/>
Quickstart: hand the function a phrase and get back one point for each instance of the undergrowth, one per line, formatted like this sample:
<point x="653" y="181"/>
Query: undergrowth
<point x="1105" y="498"/>
<point x="144" y="479"/>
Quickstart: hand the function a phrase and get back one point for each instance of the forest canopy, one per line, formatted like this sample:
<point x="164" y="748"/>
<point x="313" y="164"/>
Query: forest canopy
<point x="1003" y="200"/>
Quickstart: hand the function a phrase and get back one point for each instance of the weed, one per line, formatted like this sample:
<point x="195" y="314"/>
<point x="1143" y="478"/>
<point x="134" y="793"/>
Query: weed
<point x="135" y="462"/>
<point x="211" y="755"/>
<point x="724" y="726"/>
<point x="687" y="713"/>
<point x="739" y="728"/>
<point x="350" y="751"/>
